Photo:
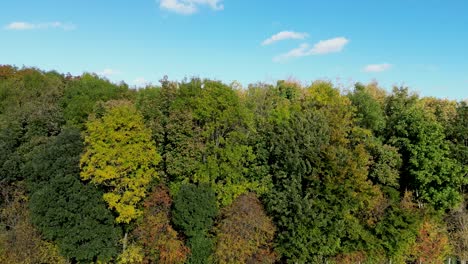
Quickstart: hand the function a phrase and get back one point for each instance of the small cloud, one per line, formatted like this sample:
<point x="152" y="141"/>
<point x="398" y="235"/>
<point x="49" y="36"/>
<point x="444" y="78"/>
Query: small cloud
<point x="140" y="82"/>
<point x="302" y="51"/>
<point x="329" y="46"/>
<point x="30" y="26"/>
<point x="377" y="67"/>
<point x="284" y="35"/>
<point x="188" y="7"/>
<point x="20" y="26"/>
<point x="333" y="45"/>
<point x="108" y="72"/>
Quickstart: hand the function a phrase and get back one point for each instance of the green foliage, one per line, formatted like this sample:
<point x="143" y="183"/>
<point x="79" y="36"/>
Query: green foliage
<point x="344" y="179"/>
<point x="64" y="209"/>
<point x="369" y="112"/>
<point x="397" y="232"/>
<point x="427" y="166"/>
<point x="385" y="163"/>
<point x="193" y="214"/>
<point x="20" y="242"/>
<point x="120" y="155"/>
<point x="288" y="89"/>
<point x="167" y="111"/>
<point x="28" y="113"/>
<point x="321" y="190"/>
<point x="306" y="226"/>
<point x="224" y="124"/>
<point x="458" y="135"/>
<point x="201" y="249"/>
<point x="202" y="129"/>
<point x="82" y="93"/>
<point x="194" y="209"/>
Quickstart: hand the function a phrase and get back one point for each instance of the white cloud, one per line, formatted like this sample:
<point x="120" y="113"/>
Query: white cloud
<point x="283" y="35"/>
<point x="188" y="7"/>
<point x="301" y="51"/>
<point x="140" y="82"/>
<point x="377" y="67"/>
<point x="108" y="72"/>
<point x="333" y="45"/>
<point x="20" y="25"/>
<point x="329" y="46"/>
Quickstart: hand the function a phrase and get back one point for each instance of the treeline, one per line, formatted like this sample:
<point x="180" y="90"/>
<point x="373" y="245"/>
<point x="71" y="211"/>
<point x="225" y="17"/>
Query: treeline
<point x="203" y="172"/>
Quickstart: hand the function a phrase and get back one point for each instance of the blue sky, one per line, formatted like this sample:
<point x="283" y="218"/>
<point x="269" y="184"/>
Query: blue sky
<point x="422" y="44"/>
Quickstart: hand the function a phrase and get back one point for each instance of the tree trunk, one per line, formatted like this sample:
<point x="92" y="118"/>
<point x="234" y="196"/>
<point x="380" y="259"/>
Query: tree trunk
<point x="124" y="242"/>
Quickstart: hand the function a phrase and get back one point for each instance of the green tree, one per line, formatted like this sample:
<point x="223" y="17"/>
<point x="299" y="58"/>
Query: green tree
<point x="29" y="113"/>
<point x="20" y="242"/>
<point x="385" y="161"/>
<point x="457" y="133"/>
<point x="398" y="229"/>
<point x="427" y="166"/>
<point x="83" y="92"/>
<point x="369" y="112"/>
<point x="226" y="161"/>
<point x="168" y="111"/>
<point x="120" y="155"/>
<point x="193" y="214"/>
<point x="321" y="191"/>
<point x="65" y="210"/>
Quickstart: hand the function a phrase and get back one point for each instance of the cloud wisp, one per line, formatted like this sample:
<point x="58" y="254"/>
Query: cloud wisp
<point x="188" y="7"/>
<point x="21" y="25"/>
<point x="141" y="82"/>
<point x="333" y="45"/>
<point x="284" y="35"/>
<point x="109" y="72"/>
<point x="377" y="67"/>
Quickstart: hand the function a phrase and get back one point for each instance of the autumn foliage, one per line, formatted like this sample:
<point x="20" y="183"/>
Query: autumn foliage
<point x="199" y="171"/>
<point x="245" y="233"/>
<point x="155" y="234"/>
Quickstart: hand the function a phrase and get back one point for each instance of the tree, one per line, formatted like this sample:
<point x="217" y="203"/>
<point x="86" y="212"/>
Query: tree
<point x="193" y="214"/>
<point x="168" y="111"/>
<point x="203" y="129"/>
<point x="224" y="124"/>
<point x="308" y="215"/>
<point x="19" y="240"/>
<point x="398" y="229"/>
<point x="428" y="168"/>
<point x="457" y="133"/>
<point x="82" y="93"/>
<point x="159" y="241"/>
<point x="457" y="222"/>
<point x="65" y="210"/>
<point x="385" y="163"/>
<point x="369" y="112"/>
<point x="29" y="113"/>
<point x="245" y="233"/>
<point x="120" y="155"/>
<point x="432" y="244"/>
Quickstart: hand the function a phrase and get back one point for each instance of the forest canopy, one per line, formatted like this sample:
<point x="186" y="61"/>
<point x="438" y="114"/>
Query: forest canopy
<point x="199" y="171"/>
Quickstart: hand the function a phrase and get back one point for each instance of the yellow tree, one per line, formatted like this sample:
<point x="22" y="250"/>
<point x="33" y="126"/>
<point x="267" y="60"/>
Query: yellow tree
<point x="120" y="155"/>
